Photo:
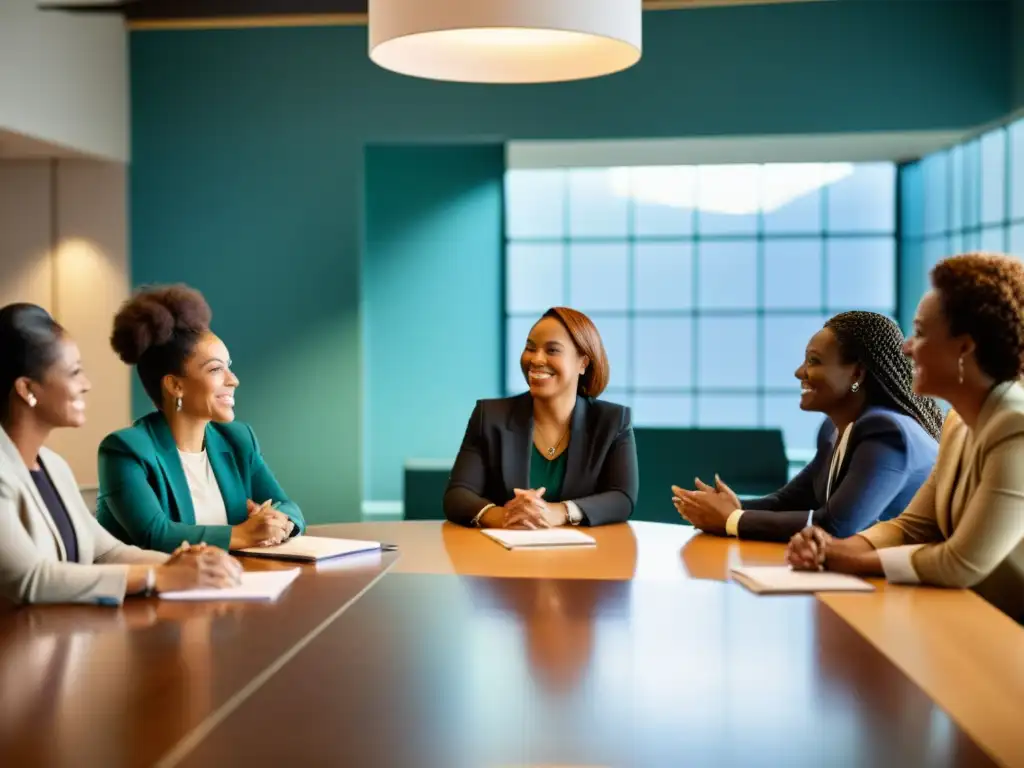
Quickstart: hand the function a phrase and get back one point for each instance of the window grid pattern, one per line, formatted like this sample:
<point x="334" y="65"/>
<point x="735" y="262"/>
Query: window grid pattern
<point x="966" y="198"/>
<point x="705" y="317"/>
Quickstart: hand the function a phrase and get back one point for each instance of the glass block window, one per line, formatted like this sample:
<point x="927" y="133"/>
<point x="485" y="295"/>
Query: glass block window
<point x="706" y="282"/>
<point x="966" y="198"/>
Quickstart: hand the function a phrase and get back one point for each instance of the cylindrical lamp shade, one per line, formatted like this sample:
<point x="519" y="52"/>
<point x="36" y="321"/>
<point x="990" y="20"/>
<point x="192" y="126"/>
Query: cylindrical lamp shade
<point x="505" y="41"/>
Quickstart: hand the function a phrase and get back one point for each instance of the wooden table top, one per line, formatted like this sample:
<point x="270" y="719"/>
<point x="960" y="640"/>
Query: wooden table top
<point x="454" y="651"/>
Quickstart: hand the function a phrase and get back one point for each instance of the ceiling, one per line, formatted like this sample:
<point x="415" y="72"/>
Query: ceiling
<point x="233" y="13"/>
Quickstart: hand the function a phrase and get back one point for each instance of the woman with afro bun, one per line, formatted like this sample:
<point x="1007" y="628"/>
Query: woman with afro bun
<point x="188" y="472"/>
<point x="965" y="527"/>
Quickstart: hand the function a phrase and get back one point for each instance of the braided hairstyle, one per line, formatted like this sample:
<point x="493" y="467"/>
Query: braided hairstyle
<point x="876" y="342"/>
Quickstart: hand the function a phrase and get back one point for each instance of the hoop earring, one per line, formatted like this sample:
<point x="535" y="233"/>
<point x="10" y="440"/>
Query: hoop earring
<point x="177" y="404"/>
<point x="960" y="373"/>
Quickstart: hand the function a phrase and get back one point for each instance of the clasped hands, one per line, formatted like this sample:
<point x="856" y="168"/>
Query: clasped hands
<point x="198" y="565"/>
<point x="706" y="508"/>
<point x="264" y="527"/>
<point x="529" y="510"/>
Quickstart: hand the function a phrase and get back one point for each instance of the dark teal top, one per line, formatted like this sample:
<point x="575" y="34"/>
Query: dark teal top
<point x="548" y="474"/>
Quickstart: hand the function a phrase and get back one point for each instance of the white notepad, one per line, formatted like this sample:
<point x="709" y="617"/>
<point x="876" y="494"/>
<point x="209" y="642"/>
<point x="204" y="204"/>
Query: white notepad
<point x="783" y="579"/>
<point x="256" y="585"/>
<point x="540" y="538"/>
<point x="311" y="549"/>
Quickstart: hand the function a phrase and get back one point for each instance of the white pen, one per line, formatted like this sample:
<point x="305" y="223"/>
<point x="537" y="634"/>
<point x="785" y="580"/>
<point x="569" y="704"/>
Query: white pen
<point x="810" y="518"/>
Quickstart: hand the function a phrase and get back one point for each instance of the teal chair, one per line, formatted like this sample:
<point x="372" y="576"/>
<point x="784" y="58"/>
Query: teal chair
<point x="752" y="461"/>
<point x="425" y="483"/>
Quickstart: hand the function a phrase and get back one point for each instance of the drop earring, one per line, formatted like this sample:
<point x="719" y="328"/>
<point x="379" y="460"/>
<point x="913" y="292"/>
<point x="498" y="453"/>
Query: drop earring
<point x="177" y="404"/>
<point x="960" y="373"/>
<point x="855" y="387"/>
<point x="31" y="400"/>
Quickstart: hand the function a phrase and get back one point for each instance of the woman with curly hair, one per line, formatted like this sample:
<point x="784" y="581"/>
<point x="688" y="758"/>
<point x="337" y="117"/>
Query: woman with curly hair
<point x="875" y="449"/>
<point x="965" y="527"/>
<point x="187" y="472"/>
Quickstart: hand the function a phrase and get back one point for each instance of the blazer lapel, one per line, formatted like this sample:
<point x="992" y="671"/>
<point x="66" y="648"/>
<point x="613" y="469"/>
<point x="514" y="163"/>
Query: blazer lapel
<point x="10" y="455"/>
<point x="821" y="478"/>
<point x="231" y="489"/>
<point x="948" y="482"/>
<point x="170" y="463"/>
<point x="517" y="438"/>
<point x="577" y="450"/>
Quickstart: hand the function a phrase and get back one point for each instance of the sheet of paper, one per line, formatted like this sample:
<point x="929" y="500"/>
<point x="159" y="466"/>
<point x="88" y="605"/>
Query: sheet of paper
<point x="783" y="579"/>
<point x="541" y="538"/>
<point x="312" y="548"/>
<point x="256" y="585"/>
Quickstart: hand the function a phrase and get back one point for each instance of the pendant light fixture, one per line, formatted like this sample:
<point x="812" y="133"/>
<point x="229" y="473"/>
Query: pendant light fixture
<point x="505" y="41"/>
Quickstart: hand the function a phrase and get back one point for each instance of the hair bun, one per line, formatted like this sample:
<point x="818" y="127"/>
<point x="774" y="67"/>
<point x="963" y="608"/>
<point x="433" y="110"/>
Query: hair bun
<point x="153" y="316"/>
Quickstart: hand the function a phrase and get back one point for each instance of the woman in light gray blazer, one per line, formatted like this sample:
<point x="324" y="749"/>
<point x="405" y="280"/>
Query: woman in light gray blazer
<point x="52" y="550"/>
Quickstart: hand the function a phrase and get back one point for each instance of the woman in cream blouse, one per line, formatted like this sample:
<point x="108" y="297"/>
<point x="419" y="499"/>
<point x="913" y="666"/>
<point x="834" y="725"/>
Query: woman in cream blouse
<point x="52" y="550"/>
<point x="965" y="527"/>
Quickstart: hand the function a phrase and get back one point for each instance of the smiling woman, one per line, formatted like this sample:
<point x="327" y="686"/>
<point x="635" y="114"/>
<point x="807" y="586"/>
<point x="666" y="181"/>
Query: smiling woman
<point x="188" y="471"/>
<point x="51" y="549"/>
<point x="875" y="449"/>
<point x="554" y="455"/>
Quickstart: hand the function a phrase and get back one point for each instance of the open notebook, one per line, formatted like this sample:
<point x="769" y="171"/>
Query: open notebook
<point x="539" y="539"/>
<point x="256" y="585"/>
<point x="784" y="580"/>
<point x="311" y="549"/>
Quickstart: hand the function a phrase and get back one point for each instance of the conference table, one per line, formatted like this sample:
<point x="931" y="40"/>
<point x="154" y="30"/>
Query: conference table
<point x="452" y="651"/>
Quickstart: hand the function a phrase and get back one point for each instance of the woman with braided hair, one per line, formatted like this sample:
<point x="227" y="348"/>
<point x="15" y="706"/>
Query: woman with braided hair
<point x="875" y="449"/>
<point x="965" y="527"/>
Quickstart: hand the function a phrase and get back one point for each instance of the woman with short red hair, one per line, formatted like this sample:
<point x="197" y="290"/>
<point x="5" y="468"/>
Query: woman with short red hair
<point x="554" y="455"/>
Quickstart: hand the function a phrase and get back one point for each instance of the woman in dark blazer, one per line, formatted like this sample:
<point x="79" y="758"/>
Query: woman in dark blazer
<point x="187" y="472"/>
<point x="875" y="449"/>
<point x="553" y="455"/>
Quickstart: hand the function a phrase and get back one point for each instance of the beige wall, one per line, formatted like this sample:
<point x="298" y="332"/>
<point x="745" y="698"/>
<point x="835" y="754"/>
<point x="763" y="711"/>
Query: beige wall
<point x="65" y="78"/>
<point x="63" y="245"/>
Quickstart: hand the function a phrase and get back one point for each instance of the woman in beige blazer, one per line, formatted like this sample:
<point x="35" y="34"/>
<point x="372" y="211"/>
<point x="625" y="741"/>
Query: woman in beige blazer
<point x="52" y="550"/>
<point x="965" y="526"/>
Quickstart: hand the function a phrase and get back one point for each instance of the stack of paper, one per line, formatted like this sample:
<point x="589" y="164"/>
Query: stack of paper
<point x="784" y="580"/>
<point x="539" y="539"/>
<point x="311" y="549"/>
<point x="259" y="585"/>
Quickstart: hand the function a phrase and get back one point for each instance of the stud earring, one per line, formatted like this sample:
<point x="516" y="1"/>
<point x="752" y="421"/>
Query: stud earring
<point x="31" y="399"/>
<point x="177" y="404"/>
<point x="855" y="387"/>
<point x="960" y="366"/>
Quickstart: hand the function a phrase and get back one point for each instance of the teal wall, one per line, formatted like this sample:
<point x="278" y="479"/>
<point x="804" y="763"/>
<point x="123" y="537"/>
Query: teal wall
<point x="248" y="159"/>
<point x="1017" y="33"/>
<point x="432" y="298"/>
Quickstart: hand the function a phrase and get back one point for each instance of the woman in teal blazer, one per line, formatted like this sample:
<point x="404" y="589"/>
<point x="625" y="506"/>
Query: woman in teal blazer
<point x="187" y="472"/>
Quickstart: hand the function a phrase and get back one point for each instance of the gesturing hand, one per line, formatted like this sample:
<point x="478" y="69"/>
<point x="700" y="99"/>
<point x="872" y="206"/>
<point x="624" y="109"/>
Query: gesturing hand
<point x="706" y="508"/>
